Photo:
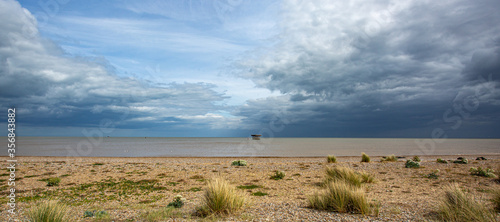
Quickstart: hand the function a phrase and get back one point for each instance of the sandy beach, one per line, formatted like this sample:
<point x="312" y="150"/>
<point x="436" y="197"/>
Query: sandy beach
<point x="129" y="188"/>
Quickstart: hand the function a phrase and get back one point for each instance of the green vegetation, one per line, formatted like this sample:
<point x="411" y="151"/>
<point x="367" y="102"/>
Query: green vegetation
<point x="365" y="158"/>
<point x="259" y="194"/>
<point x="220" y="198"/>
<point x="48" y="211"/>
<point x="347" y="175"/>
<point x="99" y="215"/>
<point x="98" y="164"/>
<point x="331" y="159"/>
<point x="239" y="163"/>
<point x="461" y="160"/>
<point x="391" y="158"/>
<point x="53" y="181"/>
<point x="433" y="175"/>
<point x="178" y="202"/>
<point x="339" y="196"/>
<point x="416" y="159"/>
<point x="482" y="172"/>
<point x="249" y="187"/>
<point x="278" y="175"/>
<point x="496" y="200"/>
<point x="439" y="160"/>
<point x="412" y="164"/>
<point x="459" y="206"/>
<point x="163" y="214"/>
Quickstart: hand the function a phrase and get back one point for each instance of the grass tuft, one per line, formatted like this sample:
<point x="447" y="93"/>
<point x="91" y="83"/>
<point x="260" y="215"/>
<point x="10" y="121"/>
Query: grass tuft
<point x="365" y="158"/>
<point x="412" y="164"/>
<point x="391" y="158"/>
<point x="278" y="175"/>
<point x="239" y="163"/>
<point x="348" y="175"/>
<point x="416" y="159"/>
<point x="341" y="197"/>
<point x="496" y="200"/>
<point x="48" y="211"/>
<point x="439" y="160"/>
<point x="482" y="172"/>
<point x="178" y="202"/>
<point x="459" y="206"/>
<point x="331" y="159"/>
<point x="221" y="198"/>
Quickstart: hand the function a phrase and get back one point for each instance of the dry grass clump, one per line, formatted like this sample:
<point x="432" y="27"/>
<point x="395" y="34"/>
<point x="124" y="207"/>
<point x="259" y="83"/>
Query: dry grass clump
<point x="365" y="158"/>
<point x="339" y="196"/>
<point x="331" y="159"/>
<point x="459" y="206"/>
<point x="343" y="193"/>
<point x="348" y="175"/>
<point x="496" y="200"/>
<point x="48" y="211"/>
<point x="221" y="198"/>
<point x="391" y="158"/>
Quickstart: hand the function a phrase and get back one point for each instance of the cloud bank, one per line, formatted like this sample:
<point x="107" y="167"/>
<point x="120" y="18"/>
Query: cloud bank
<point x="52" y="89"/>
<point x="380" y="68"/>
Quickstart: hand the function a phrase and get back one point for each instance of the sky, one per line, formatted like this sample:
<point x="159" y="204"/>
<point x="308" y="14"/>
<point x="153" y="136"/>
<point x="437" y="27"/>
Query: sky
<point x="231" y="68"/>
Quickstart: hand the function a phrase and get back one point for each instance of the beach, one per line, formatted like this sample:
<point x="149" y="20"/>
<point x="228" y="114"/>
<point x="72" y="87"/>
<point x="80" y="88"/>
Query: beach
<point x="130" y="188"/>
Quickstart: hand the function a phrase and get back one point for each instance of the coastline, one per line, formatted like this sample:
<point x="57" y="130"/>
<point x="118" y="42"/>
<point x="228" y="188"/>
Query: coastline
<point x="404" y="194"/>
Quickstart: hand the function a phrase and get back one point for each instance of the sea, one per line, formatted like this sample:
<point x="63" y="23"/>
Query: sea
<point x="247" y="147"/>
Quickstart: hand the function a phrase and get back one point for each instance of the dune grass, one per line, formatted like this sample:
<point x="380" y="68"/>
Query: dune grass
<point x="163" y="214"/>
<point x="48" y="211"/>
<point x="347" y="175"/>
<point x="496" y="200"/>
<point x="331" y="159"/>
<point x="365" y="158"/>
<point x="482" y="172"/>
<point x="278" y="175"/>
<point x="221" y="198"/>
<point x="391" y="158"/>
<point x="459" y="206"/>
<point x="339" y="196"/>
<point x="239" y="163"/>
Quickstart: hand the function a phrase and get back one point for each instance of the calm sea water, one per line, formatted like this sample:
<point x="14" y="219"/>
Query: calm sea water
<point x="245" y="147"/>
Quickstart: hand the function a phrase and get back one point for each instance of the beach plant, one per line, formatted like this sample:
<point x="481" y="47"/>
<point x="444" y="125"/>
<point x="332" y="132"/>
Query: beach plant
<point x="278" y="175"/>
<point x="220" y="198"/>
<point x="331" y="159"/>
<point x="53" y="181"/>
<point x="259" y="194"/>
<point x="412" y="164"/>
<point x="163" y="214"/>
<point x="339" y="196"/>
<point x="391" y="158"/>
<point x="496" y="200"/>
<point x="365" y="158"/>
<point x="433" y="175"/>
<point x="459" y="206"/>
<point x="439" y="160"/>
<point x="347" y="175"/>
<point x="461" y="160"/>
<point x="416" y="159"/>
<point x="239" y="163"/>
<point x="482" y="172"/>
<point x="48" y="211"/>
<point x="178" y="202"/>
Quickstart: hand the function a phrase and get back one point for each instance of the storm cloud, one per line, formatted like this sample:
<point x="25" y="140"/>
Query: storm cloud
<point x="380" y="68"/>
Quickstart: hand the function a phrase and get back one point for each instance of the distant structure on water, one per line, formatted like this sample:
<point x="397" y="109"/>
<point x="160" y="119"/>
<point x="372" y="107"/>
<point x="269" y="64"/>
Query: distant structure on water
<point x="256" y="136"/>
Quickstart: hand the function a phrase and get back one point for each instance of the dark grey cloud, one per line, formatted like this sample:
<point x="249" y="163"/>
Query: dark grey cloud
<point x="380" y="68"/>
<point x="53" y="89"/>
